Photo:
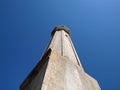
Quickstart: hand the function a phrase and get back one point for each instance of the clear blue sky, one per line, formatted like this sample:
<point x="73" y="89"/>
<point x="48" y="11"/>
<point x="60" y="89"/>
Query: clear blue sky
<point x="25" y="27"/>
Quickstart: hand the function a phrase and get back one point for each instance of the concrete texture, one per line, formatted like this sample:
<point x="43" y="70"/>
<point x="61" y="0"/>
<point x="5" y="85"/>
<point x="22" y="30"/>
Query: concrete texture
<point x="59" y="67"/>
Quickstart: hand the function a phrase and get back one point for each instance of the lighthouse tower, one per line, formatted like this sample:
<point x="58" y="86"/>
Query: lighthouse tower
<point x="59" y="67"/>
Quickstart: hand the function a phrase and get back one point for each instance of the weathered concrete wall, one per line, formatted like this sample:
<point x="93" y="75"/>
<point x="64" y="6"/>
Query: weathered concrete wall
<point x="62" y="44"/>
<point x="61" y="74"/>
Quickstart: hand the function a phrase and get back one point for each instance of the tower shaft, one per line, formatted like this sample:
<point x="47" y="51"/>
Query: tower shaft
<point x="59" y="67"/>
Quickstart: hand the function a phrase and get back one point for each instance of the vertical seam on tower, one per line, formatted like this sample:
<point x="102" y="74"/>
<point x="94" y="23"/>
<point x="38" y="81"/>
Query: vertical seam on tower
<point x="61" y="44"/>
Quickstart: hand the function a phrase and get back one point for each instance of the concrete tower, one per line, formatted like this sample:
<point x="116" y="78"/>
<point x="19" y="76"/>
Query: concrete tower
<point x="59" y="67"/>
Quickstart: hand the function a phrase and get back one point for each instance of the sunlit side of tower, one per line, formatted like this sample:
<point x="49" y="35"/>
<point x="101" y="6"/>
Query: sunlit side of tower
<point x="59" y="67"/>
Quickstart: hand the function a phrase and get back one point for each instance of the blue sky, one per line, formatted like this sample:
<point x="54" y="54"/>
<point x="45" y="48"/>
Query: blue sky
<point x="25" y="27"/>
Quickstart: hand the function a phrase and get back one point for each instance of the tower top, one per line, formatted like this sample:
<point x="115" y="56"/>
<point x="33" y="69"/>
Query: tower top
<point x="61" y="27"/>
